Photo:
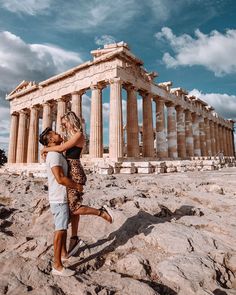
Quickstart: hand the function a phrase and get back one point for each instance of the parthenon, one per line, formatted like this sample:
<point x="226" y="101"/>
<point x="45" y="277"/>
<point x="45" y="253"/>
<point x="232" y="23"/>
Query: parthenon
<point x="185" y="126"/>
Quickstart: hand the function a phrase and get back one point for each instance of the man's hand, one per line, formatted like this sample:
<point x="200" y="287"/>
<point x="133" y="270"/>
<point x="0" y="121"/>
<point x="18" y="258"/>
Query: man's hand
<point x="64" y="180"/>
<point x="79" y="187"/>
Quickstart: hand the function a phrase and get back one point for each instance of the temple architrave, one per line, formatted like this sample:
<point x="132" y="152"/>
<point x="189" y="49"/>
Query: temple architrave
<point x="185" y="126"/>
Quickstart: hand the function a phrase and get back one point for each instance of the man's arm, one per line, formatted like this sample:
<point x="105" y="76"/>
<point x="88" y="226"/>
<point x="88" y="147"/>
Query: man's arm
<point x="64" y="180"/>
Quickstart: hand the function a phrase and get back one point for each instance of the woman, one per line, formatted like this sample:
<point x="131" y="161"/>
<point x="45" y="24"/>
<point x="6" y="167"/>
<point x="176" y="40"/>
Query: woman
<point x="74" y="141"/>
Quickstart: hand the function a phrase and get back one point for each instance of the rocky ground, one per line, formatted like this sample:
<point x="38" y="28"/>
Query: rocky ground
<point x="173" y="234"/>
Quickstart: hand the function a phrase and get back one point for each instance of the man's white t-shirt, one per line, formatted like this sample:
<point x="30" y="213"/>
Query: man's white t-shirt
<point x="57" y="193"/>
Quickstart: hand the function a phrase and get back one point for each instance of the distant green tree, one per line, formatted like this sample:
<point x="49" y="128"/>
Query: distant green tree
<point x="3" y="158"/>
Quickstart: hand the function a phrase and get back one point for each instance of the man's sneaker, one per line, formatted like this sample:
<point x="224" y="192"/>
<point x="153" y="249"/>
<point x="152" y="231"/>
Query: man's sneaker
<point x="65" y="272"/>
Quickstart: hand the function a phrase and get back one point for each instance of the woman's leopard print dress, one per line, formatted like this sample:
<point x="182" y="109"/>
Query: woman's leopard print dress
<point x="77" y="174"/>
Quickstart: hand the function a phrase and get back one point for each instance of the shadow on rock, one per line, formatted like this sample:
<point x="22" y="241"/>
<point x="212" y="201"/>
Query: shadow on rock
<point x="140" y="223"/>
<point x="4" y="214"/>
<point x="3" y="225"/>
<point x="219" y="292"/>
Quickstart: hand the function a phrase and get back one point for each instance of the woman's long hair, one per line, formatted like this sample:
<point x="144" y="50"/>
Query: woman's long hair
<point x="75" y="122"/>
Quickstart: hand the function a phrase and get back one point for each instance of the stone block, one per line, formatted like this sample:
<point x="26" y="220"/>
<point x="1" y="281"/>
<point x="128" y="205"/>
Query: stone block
<point x="128" y="170"/>
<point x="160" y="170"/>
<point x="142" y="164"/>
<point x="105" y="171"/>
<point x="145" y="170"/>
<point x="171" y="169"/>
<point x="208" y="168"/>
<point x="181" y="169"/>
<point x="127" y="165"/>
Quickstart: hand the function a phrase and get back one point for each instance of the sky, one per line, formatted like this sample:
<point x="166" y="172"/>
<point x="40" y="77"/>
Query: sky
<point x="189" y="42"/>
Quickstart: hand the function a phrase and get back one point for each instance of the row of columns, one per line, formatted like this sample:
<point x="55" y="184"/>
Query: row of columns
<point x="188" y="134"/>
<point x="24" y="131"/>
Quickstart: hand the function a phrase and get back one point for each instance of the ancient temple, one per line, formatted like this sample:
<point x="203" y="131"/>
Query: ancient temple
<point x="185" y="125"/>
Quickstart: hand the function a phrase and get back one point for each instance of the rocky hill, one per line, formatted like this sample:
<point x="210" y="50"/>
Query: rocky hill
<point x="173" y="234"/>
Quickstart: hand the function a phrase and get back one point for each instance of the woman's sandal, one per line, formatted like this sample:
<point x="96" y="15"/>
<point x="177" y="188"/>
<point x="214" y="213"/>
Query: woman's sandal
<point x="105" y="209"/>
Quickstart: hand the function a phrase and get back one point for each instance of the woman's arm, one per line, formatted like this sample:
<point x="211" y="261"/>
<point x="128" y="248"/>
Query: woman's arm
<point x="73" y="141"/>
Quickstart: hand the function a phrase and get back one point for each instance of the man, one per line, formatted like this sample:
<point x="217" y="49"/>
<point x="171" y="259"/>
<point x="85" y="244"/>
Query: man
<point x="57" y="194"/>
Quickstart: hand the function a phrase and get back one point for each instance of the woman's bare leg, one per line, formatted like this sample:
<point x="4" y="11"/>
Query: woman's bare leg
<point x="85" y="210"/>
<point x="74" y="225"/>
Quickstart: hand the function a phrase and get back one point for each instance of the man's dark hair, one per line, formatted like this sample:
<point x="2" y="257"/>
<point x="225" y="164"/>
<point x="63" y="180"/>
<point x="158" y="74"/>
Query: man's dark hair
<point x="43" y="137"/>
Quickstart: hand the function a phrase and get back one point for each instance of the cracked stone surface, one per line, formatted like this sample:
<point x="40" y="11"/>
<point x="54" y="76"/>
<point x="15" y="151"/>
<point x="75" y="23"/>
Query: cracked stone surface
<point x="173" y="234"/>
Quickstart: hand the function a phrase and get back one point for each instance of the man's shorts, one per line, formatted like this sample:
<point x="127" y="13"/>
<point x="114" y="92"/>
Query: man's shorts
<point x="60" y="213"/>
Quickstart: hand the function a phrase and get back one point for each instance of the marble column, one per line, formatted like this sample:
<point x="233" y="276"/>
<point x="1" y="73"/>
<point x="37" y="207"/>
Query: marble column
<point x="161" y="142"/>
<point x="148" y="138"/>
<point x="61" y="110"/>
<point x="96" y="123"/>
<point x="76" y="103"/>
<point x="196" y="136"/>
<point x="221" y="138"/>
<point x="22" y="137"/>
<point x="224" y="130"/>
<point x="13" y="138"/>
<point x="171" y="131"/>
<point x="208" y="137"/>
<point x="232" y="142"/>
<point x="32" y="151"/>
<point x="47" y="115"/>
<point x="217" y="138"/>
<point x="115" y="120"/>
<point x="181" y="140"/>
<point x="213" y="138"/>
<point x="132" y="128"/>
<point x="231" y="137"/>
<point x="202" y="136"/>
<point x="189" y="134"/>
<point x="228" y="141"/>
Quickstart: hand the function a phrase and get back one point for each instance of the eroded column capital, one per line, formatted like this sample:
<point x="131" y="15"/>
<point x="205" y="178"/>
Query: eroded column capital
<point x="145" y="94"/>
<point x="47" y="103"/>
<point x="159" y="99"/>
<point x="179" y="108"/>
<point x="63" y="99"/>
<point x="79" y="92"/>
<point x="15" y="114"/>
<point x="24" y="112"/>
<point x="130" y="87"/>
<point x="98" y="86"/>
<point x="116" y="80"/>
<point x="169" y="104"/>
<point x="35" y="107"/>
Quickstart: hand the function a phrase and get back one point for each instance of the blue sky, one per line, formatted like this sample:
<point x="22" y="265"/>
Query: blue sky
<point x="190" y="42"/>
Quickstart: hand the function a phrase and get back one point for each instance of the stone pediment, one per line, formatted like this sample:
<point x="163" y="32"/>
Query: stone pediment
<point x="109" y="50"/>
<point x="22" y="86"/>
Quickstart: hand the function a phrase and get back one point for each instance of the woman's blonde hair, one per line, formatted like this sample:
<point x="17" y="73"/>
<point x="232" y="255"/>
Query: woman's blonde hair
<point x="75" y="122"/>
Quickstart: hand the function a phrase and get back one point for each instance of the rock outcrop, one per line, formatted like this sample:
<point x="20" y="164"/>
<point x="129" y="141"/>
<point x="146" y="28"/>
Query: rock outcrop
<point x="173" y="234"/>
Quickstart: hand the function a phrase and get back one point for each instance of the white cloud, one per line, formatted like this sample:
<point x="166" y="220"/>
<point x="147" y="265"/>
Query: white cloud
<point x="90" y="15"/>
<point x="4" y="127"/>
<point x="214" y="51"/>
<point x="95" y="14"/>
<point x="104" y="39"/>
<point x="224" y="104"/>
<point x="21" y="61"/>
<point x="31" y="7"/>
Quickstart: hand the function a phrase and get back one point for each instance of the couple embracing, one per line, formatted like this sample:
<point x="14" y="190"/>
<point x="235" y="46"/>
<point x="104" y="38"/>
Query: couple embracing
<point x="66" y="178"/>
